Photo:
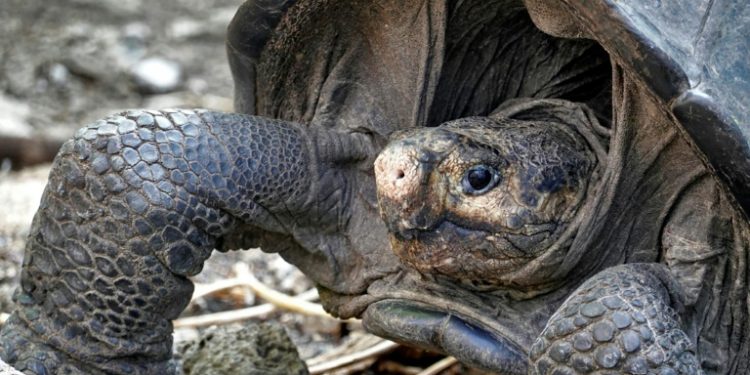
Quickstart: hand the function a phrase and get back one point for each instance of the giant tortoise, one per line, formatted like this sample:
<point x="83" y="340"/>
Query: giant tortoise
<point x="564" y="201"/>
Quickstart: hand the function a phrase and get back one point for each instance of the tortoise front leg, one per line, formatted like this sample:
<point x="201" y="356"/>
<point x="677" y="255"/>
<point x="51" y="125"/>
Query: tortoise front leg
<point x="134" y="205"/>
<point x="623" y="320"/>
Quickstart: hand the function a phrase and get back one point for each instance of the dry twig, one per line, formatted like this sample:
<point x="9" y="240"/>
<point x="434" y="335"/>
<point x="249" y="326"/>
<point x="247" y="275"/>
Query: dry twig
<point x="384" y="346"/>
<point x="300" y="304"/>
<point x="232" y="316"/>
<point x="277" y="298"/>
<point x="438" y="366"/>
<point x="203" y="290"/>
<point x="353" y="368"/>
<point x="395" y="367"/>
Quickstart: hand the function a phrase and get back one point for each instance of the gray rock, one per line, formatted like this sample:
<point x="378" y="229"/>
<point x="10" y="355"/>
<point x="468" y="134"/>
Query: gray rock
<point x="59" y="74"/>
<point x="156" y="75"/>
<point x="13" y="115"/>
<point x="251" y="349"/>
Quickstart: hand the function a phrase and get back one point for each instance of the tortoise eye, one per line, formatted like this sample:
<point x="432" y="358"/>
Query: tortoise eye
<point x="480" y="179"/>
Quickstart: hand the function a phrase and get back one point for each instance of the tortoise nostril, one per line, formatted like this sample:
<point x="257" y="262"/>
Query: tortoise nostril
<point x="399" y="174"/>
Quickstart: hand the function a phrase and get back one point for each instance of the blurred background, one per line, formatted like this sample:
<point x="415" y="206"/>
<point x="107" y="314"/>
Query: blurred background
<point x="66" y="63"/>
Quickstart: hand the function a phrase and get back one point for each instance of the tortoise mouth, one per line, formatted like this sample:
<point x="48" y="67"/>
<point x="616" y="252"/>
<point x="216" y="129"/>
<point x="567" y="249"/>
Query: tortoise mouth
<point x="433" y="328"/>
<point x="464" y="254"/>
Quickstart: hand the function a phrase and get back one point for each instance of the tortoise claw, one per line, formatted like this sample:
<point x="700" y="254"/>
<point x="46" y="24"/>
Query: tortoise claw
<point x="416" y="324"/>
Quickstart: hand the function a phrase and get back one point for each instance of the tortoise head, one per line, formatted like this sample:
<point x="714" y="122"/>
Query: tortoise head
<point x="481" y="201"/>
<point x="482" y="213"/>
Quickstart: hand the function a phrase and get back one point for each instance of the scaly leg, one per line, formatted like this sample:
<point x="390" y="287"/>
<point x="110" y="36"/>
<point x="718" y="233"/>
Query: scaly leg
<point x="621" y="321"/>
<point x="134" y="205"/>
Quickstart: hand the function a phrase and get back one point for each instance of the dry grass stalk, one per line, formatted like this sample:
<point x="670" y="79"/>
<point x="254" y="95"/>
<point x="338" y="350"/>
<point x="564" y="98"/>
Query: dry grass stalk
<point x="439" y="366"/>
<point x="383" y="347"/>
<point x="232" y="316"/>
<point x="280" y="300"/>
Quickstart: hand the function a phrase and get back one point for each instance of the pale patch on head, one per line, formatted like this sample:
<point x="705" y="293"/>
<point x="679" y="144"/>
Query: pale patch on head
<point x="397" y="173"/>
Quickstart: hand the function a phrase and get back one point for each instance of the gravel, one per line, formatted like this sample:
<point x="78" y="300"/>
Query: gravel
<point x="157" y="75"/>
<point x="73" y="61"/>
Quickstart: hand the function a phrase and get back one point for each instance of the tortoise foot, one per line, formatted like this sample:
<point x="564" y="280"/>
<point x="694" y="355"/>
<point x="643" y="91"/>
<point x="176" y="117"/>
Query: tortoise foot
<point x="28" y="354"/>
<point x="623" y="320"/>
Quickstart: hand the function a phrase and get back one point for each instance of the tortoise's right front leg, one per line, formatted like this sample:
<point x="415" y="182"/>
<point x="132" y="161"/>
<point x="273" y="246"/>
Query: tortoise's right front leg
<point x="621" y="321"/>
<point x="134" y="204"/>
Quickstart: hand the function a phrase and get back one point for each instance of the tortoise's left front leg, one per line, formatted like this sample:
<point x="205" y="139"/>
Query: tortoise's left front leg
<point x="133" y="206"/>
<point x="623" y="320"/>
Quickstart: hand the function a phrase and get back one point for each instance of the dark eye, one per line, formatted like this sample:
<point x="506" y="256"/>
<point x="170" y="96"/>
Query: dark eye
<point x="479" y="179"/>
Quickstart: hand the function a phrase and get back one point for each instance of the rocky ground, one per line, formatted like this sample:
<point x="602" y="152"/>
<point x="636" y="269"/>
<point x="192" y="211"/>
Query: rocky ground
<point x="66" y="63"/>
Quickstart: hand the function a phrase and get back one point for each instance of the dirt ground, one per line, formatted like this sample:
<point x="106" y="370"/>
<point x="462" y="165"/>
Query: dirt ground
<point x="66" y="63"/>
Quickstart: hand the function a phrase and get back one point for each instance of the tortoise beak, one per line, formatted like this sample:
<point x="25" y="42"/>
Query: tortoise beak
<point x="407" y="199"/>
